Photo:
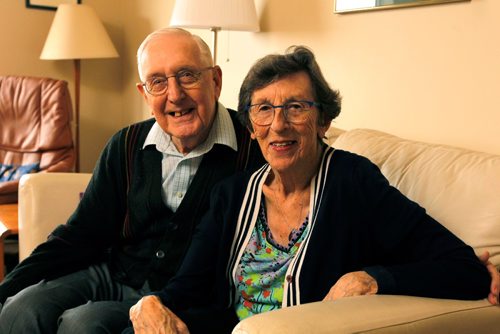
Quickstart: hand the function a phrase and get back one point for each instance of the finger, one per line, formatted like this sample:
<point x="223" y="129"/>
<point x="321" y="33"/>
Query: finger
<point x="493" y="299"/>
<point x="330" y="295"/>
<point x="495" y="277"/>
<point x="131" y="313"/>
<point x="327" y="297"/>
<point x="182" y="328"/>
<point x="495" y="283"/>
<point x="493" y="296"/>
<point x="179" y="325"/>
<point x="484" y="257"/>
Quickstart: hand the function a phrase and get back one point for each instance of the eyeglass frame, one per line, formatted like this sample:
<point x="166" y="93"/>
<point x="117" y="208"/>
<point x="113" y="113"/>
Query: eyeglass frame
<point x="310" y="104"/>
<point x="196" y="74"/>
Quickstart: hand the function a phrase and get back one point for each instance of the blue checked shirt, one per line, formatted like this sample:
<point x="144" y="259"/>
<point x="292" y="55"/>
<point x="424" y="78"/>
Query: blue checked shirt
<point x="178" y="170"/>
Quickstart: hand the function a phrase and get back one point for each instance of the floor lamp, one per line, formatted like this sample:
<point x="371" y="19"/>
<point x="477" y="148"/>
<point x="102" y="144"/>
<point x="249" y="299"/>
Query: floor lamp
<point x="77" y="33"/>
<point x="215" y="15"/>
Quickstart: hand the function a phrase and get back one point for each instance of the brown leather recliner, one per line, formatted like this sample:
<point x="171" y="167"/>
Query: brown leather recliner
<point x="35" y="130"/>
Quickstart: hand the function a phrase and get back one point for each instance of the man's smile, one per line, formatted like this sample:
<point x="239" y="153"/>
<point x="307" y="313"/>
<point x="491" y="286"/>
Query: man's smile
<point x="180" y="113"/>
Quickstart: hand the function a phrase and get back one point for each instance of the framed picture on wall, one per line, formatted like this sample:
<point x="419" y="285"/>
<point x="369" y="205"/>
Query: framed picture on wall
<point x="346" y="6"/>
<point x="48" y="4"/>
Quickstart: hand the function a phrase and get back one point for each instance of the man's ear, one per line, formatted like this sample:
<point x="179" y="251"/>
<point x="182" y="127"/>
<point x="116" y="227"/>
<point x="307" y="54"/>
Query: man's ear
<point x="217" y="78"/>
<point x="144" y="94"/>
<point x="142" y="90"/>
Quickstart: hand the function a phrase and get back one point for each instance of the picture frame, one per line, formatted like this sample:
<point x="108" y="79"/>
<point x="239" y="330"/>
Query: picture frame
<point x="349" y="6"/>
<point x="49" y="4"/>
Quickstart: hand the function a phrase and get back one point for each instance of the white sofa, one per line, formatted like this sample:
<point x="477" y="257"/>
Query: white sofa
<point x="45" y="201"/>
<point x="460" y="188"/>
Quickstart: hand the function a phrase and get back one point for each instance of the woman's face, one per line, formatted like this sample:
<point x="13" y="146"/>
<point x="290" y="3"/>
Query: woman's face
<point x="287" y="145"/>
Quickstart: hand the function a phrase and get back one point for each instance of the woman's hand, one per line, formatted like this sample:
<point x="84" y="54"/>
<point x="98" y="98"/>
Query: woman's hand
<point x="150" y="316"/>
<point x="495" y="278"/>
<point x="356" y="283"/>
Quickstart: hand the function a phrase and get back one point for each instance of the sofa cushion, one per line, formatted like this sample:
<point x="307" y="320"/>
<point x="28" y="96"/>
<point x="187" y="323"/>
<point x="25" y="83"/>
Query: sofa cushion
<point x="460" y="188"/>
<point x="377" y="314"/>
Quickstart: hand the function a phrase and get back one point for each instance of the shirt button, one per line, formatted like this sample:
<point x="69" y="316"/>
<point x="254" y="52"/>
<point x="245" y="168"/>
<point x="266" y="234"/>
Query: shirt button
<point x="160" y="254"/>
<point x="179" y="194"/>
<point x="289" y="278"/>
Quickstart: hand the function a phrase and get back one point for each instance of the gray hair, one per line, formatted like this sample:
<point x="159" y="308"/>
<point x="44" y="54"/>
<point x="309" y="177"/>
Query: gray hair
<point x="205" y="52"/>
<point x="274" y="67"/>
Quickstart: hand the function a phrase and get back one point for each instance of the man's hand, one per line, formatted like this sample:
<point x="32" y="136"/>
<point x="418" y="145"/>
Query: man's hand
<point x="353" y="284"/>
<point x="150" y="316"/>
<point x="495" y="278"/>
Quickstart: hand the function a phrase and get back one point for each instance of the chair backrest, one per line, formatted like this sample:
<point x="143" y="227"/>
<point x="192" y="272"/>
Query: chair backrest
<point x="35" y="130"/>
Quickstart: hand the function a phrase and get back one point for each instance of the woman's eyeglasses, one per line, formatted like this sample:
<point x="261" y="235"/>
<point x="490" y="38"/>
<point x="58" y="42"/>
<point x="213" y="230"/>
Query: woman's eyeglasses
<point x="295" y="112"/>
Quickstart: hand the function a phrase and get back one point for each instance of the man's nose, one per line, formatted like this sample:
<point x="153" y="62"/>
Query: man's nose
<point x="175" y="92"/>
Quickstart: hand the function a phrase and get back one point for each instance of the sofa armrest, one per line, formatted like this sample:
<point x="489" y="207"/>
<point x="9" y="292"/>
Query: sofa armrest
<point x="377" y="314"/>
<point x="45" y="201"/>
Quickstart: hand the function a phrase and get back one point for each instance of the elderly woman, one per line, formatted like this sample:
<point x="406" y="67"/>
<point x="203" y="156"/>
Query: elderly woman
<point x="314" y="223"/>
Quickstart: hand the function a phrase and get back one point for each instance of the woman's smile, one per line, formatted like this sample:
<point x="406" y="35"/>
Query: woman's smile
<point x="282" y="145"/>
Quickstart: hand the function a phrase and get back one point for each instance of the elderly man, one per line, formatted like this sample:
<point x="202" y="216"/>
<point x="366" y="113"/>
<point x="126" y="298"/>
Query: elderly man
<point x="148" y="191"/>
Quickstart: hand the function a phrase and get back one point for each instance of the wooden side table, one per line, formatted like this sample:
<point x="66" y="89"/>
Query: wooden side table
<point x="8" y="226"/>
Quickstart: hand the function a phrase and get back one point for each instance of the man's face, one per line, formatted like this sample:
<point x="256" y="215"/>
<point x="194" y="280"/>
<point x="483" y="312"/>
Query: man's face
<point x="185" y="114"/>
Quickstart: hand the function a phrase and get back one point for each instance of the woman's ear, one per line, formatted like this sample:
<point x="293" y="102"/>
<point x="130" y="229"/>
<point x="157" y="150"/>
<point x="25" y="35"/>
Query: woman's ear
<point x="322" y="128"/>
<point x="252" y="133"/>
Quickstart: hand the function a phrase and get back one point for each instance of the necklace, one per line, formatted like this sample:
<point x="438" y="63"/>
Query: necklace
<point x="284" y="232"/>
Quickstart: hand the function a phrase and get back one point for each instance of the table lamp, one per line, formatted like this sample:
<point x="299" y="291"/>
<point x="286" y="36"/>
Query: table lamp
<point x="215" y="15"/>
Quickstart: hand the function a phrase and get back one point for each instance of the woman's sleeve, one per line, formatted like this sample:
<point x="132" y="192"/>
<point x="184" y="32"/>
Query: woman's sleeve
<point x="423" y="257"/>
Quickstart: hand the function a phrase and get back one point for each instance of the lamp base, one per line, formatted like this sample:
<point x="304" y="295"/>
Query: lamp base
<point x="76" y="66"/>
<point x="215" y="30"/>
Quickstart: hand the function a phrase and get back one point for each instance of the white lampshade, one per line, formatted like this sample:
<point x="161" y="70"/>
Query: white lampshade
<point x="222" y="14"/>
<point x="77" y="33"/>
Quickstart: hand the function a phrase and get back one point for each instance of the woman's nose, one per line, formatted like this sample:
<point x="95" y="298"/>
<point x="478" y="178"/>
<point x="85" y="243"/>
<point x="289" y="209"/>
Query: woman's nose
<point x="279" y="121"/>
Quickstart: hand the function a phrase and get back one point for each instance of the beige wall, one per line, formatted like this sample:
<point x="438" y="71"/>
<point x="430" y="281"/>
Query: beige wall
<point x="429" y="73"/>
<point x="23" y="33"/>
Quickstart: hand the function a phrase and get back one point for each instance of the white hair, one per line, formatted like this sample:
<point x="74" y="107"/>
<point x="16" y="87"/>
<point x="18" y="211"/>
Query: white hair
<point x="206" y="55"/>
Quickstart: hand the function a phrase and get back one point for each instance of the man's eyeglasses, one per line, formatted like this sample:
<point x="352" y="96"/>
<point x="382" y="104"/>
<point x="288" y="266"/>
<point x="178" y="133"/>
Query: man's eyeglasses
<point x="295" y="112"/>
<point x="187" y="79"/>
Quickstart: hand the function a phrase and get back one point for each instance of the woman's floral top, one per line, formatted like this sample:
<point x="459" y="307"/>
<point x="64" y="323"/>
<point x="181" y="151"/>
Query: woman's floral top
<point x="261" y="272"/>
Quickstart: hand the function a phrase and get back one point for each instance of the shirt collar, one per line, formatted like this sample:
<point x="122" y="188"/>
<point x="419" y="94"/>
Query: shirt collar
<point x="222" y="132"/>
